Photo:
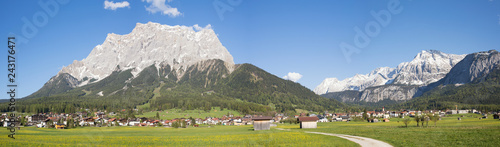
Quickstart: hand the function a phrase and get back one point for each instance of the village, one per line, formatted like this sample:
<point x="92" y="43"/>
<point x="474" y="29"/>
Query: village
<point x="107" y="119"/>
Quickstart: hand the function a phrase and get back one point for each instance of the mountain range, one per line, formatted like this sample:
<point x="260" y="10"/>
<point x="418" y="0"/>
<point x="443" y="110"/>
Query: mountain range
<point x="427" y="74"/>
<point x="427" y="67"/>
<point x="157" y="67"/>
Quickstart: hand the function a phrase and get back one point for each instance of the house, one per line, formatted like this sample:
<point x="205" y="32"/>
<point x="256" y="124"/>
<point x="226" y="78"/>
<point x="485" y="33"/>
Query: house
<point x="88" y="121"/>
<point x="308" y="122"/>
<point x="198" y="121"/>
<point x="37" y="118"/>
<point x="122" y="122"/>
<point x="134" y="122"/>
<point x="345" y="118"/>
<point x="412" y="114"/>
<point x="60" y="126"/>
<point x="496" y="116"/>
<point x="457" y="111"/>
<point x="385" y="120"/>
<point x="262" y="123"/>
<point x="324" y="119"/>
<point x="463" y="111"/>
<point x="393" y="114"/>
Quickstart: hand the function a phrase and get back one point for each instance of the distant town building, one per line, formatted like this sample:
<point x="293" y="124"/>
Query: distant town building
<point x="262" y="123"/>
<point x="308" y="122"/>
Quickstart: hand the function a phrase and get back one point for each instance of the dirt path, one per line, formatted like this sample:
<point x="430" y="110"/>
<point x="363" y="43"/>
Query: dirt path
<point x="363" y="141"/>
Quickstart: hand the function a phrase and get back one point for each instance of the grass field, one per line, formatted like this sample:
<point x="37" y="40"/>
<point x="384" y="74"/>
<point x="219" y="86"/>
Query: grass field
<point x="177" y="113"/>
<point x="470" y="131"/>
<point x="160" y="136"/>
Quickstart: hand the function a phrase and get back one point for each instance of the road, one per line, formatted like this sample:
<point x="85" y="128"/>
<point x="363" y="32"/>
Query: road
<point x="363" y="141"/>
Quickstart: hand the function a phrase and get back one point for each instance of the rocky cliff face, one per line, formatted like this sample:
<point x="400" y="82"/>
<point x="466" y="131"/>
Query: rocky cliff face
<point x="147" y="44"/>
<point x="474" y="66"/>
<point x="388" y="92"/>
<point x="427" y="67"/>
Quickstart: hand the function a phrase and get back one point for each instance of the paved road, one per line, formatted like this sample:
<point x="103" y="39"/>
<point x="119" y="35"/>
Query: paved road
<point x="363" y="141"/>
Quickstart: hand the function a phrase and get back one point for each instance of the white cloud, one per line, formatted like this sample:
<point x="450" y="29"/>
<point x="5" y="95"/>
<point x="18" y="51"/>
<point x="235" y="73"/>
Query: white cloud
<point x="110" y="5"/>
<point x="293" y="76"/>
<point x="160" y="6"/>
<point x="197" y="28"/>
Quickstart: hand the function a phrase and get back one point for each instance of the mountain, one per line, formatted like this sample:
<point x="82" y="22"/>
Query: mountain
<point x="427" y="67"/>
<point x="473" y="83"/>
<point x="476" y="66"/>
<point x="158" y="67"/>
<point x="151" y="43"/>
<point x="57" y="84"/>
<point x="147" y="44"/>
<point x="393" y="85"/>
<point x="379" y="76"/>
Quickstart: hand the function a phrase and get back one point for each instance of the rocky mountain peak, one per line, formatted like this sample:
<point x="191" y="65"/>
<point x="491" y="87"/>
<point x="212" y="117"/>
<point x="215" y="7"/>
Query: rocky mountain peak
<point x="474" y="66"/>
<point x="147" y="44"/>
<point x="427" y="67"/>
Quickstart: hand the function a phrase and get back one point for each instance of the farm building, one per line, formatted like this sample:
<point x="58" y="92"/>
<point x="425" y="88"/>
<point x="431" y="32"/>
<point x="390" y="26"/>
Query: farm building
<point x="308" y="122"/>
<point x="262" y="123"/>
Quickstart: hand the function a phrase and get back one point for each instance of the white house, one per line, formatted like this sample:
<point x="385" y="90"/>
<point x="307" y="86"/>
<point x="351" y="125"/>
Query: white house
<point x="132" y="123"/>
<point x="323" y="120"/>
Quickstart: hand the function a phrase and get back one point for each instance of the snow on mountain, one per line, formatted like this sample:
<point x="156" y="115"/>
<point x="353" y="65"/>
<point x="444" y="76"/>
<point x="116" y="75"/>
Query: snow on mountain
<point x="379" y="76"/>
<point x="147" y="44"/>
<point x="427" y="67"/>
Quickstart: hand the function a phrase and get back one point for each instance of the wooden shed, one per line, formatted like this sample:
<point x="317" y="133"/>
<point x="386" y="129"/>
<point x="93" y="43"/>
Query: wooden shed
<point x="308" y="122"/>
<point x="262" y="123"/>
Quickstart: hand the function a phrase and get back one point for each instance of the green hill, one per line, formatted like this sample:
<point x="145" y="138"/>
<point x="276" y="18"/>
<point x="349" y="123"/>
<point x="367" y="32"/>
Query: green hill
<point x="248" y="89"/>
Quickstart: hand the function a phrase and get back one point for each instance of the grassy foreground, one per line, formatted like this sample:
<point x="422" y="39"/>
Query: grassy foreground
<point x="470" y="131"/>
<point x="159" y="136"/>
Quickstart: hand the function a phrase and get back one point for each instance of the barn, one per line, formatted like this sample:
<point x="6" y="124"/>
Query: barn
<point x="262" y="123"/>
<point x="308" y="122"/>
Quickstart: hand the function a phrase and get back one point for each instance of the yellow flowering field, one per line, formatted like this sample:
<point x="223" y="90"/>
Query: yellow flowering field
<point x="160" y="136"/>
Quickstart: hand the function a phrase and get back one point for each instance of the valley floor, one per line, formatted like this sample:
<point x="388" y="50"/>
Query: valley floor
<point x="470" y="131"/>
<point x="161" y="136"/>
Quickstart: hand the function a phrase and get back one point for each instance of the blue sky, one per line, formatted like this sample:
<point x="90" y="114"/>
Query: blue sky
<point x="279" y="36"/>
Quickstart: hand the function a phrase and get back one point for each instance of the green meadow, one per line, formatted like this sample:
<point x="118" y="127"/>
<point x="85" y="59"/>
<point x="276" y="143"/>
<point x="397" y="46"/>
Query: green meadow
<point x="178" y="113"/>
<point x="161" y="136"/>
<point x="470" y="131"/>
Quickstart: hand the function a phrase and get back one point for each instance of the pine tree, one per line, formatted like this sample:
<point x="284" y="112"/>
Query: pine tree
<point x="365" y="114"/>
